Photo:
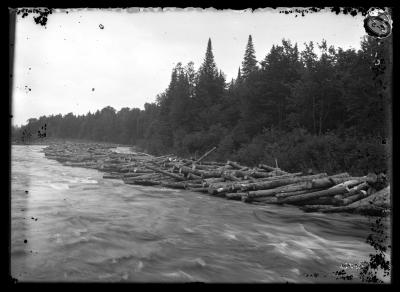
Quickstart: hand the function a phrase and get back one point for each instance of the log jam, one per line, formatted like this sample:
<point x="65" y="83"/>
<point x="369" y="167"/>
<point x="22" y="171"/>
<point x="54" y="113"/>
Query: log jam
<point x="264" y="184"/>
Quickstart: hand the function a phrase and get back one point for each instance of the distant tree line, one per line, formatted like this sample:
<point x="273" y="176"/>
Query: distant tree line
<point x="325" y="111"/>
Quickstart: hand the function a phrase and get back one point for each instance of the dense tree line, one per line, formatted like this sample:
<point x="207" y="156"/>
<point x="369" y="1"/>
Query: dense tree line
<point x="322" y="108"/>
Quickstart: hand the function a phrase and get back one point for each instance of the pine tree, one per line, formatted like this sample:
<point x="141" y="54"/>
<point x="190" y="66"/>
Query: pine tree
<point x="208" y="67"/>
<point x="249" y="63"/>
<point x="209" y="90"/>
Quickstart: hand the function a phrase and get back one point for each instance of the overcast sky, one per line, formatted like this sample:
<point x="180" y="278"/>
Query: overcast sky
<point x="129" y="61"/>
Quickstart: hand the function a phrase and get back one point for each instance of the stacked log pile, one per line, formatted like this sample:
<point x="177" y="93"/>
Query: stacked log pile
<point x="258" y="185"/>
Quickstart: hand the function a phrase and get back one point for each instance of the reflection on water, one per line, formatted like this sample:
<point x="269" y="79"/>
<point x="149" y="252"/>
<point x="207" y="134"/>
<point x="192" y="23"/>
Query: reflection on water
<point x="80" y="227"/>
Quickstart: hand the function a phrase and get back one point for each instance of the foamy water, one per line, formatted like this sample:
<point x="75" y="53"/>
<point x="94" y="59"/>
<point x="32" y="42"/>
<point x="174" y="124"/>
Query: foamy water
<point x="80" y="227"/>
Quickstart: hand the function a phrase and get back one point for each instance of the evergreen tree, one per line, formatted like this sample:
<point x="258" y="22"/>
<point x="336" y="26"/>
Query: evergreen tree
<point x="239" y="76"/>
<point x="249" y="63"/>
<point x="209" y="67"/>
<point x="209" y="90"/>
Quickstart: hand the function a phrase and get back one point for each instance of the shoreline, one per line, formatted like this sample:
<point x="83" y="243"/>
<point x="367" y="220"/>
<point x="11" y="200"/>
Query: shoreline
<point x="368" y="195"/>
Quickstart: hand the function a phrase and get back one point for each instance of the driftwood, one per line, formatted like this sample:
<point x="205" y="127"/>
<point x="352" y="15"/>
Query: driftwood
<point x="294" y="193"/>
<point x="283" y="189"/>
<point x="277" y="183"/>
<point x="313" y="195"/>
<point x="165" y="172"/>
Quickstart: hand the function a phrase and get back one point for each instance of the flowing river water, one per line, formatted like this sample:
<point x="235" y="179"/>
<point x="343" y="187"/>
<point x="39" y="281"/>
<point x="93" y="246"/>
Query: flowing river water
<point x="70" y="224"/>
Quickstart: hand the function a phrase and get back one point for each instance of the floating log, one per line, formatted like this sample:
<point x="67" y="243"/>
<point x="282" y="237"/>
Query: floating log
<point x="313" y="195"/>
<point x="257" y="174"/>
<point x="235" y="164"/>
<point x="212" y="174"/>
<point x="356" y="189"/>
<point x="349" y="183"/>
<point x="262" y="193"/>
<point x="360" y="195"/>
<point x="186" y="170"/>
<point x="195" y="181"/>
<point x="144" y="182"/>
<point x="136" y="174"/>
<point x="283" y="189"/>
<point x="173" y="185"/>
<point x="342" y="178"/>
<point x="142" y="176"/>
<point x="235" y="196"/>
<point x="202" y="167"/>
<point x="212" y="163"/>
<point x="192" y="176"/>
<point x="112" y="176"/>
<point x="229" y="176"/>
<point x="329" y="181"/>
<point x="209" y="181"/>
<point x="371" y="204"/>
<point x="266" y="167"/>
<point x="326" y="200"/>
<point x="294" y="193"/>
<point x="277" y="183"/>
<point x="165" y="172"/>
<point x="288" y="175"/>
<point x="222" y="168"/>
<point x="142" y="170"/>
<point x="380" y="198"/>
<point x="266" y="200"/>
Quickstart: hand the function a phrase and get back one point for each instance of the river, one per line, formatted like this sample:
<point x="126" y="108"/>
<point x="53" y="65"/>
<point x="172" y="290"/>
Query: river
<point x="70" y="224"/>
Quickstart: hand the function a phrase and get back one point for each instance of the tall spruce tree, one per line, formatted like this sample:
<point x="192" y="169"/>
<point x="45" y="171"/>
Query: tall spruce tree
<point x="249" y="63"/>
<point x="208" y="67"/>
<point x="209" y="90"/>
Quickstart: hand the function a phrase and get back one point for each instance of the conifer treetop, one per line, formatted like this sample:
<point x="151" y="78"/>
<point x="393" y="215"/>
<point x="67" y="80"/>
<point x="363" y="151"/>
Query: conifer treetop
<point x="249" y="63"/>
<point x="209" y="67"/>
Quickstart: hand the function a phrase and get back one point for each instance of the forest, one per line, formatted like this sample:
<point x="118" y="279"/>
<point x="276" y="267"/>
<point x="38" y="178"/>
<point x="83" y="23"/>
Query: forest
<point x="320" y="109"/>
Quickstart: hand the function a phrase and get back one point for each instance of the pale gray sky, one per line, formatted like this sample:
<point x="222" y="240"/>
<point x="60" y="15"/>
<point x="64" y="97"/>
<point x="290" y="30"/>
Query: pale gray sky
<point x="130" y="61"/>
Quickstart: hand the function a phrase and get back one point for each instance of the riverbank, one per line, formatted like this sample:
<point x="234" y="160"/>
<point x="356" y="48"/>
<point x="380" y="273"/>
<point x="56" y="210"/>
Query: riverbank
<point x="369" y="195"/>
